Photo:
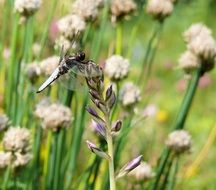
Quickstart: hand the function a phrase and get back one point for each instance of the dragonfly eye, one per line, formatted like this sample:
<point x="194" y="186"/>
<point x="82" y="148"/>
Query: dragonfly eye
<point x="81" y="56"/>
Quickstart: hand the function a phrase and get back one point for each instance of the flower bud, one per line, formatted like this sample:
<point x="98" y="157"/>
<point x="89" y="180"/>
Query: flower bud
<point x="99" y="128"/>
<point x="97" y="150"/>
<point x="129" y="166"/>
<point x="117" y="126"/>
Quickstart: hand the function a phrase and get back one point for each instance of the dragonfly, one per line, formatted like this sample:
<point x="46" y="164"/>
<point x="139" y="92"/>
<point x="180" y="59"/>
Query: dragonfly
<point x="74" y="65"/>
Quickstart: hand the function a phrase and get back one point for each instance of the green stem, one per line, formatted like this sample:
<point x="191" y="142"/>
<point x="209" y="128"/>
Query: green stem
<point x="181" y="118"/>
<point x="171" y="185"/>
<point x="148" y="51"/>
<point x="119" y="39"/>
<point x="58" y="160"/>
<point x="12" y="62"/>
<point x="46" y="30"/>
<point x="110" y="152"/>
<point x="76" y="141"/>
<point x="52" y="164"/>
<point x="98" y="37"/>
<point x="6" y="178"/>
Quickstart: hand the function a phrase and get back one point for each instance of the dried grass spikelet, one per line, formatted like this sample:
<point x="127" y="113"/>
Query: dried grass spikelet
<point x="49" y="64"/>
<point x="142" y="173"/>
<point x="159" y="9"/>
<point x="122" y="8"/>
<point x="116" y="67"/>
<point x="86" y="9"/>
<point x="16" y="139"/>
<point x="54" y="116"/>
<point x="71" y="25"/>
<point x="27" y="7"/>
<point x="179" y="141"/>
<point x="33" y="71"/>
<point x="189" y="61"/>
<point x="129" y="95"/>
<point x="5" y="159"/>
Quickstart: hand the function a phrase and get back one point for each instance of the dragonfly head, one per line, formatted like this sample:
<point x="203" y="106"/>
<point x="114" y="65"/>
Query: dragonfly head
<point x="80" y="56"/>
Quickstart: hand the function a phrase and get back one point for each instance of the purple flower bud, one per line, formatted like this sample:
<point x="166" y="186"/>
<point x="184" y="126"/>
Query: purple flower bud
<point x="117" y="126"/>
<point x="100" y="128"/>
<point x="92" y="111"/>
<point x="109" y="92"/>
<point x="133" y="163"/>
<point x="94" y="94"/>
<point x="111" y="101"/>
<point x="97" y="150"/>
<point x="129" y="166"/>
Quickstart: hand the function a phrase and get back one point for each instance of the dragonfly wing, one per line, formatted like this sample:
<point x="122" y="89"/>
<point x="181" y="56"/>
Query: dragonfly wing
<point x="88" y="69"/>
<point x="72" y="81"/>
<point x="50" y="80"/>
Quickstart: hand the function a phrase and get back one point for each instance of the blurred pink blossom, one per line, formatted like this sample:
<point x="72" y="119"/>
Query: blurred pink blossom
<point x="53" y="31"/>
<point x="205" y="81"/>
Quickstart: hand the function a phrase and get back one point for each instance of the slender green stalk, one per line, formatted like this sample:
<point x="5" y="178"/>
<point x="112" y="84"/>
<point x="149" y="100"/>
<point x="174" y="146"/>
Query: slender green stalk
<point x="98" y="37"/>
<point x="174" y="171"/>
<point x="12" y="62"/>
<point x="76" y="141"/>
<point x="167" y="174"/>
<point x="148" y="51"/>
<point x="6" y="178"/>
<point x="46" y="28"/>
<point x="52" y="162"/>
<point x="119" y="39"/>
<point x="181" y="118"/>
<point x="110" y="152"/>
<point x="57" y="176"/>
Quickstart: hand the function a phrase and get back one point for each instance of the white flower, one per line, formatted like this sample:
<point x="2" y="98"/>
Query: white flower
<point x="16" y="139"/>
<point x="36" y="48"/>
<point x="142" y="173"/>
<point x="71" y="25"/>
<point x="5" y="159"/>
<point x="49" y="64"/>
<point x="179" y="141"/>
<point x="122" y="8"/>
<point x="27" y="7"/>
<point x="159" y="9"/>
<point x="116" y="67"/>
<point x="129" y="94"/>
<point x="87" y="9"/>
<point x="54" y="116"/>
<point x="33" y="71"/>
<point x="65" y="43"/>
<point x="189" y="62"/>
<point x="202" y="44"/>
<point x="195" y="30"/>
<point x="4" y="121"/>
<point x="21" y="159"/>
